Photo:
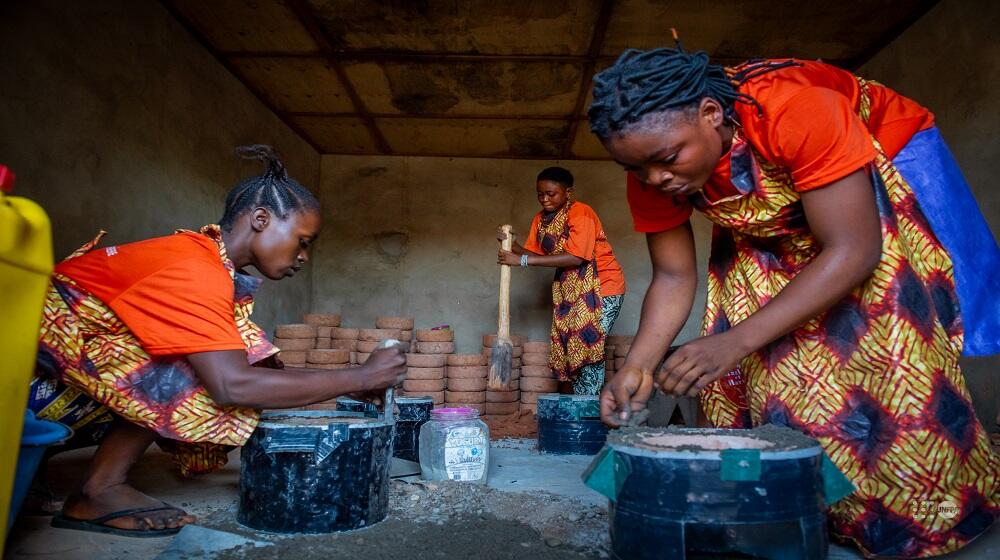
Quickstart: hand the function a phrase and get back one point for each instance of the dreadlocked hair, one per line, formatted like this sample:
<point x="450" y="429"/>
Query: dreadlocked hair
<point x="641" y="83"/>
<point x="273" y="189"/>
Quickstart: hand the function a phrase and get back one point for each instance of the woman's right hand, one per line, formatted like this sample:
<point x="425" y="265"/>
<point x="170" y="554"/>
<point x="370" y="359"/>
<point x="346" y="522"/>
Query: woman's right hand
<point x="626" y="394"/>
<point x="385" y="368"/>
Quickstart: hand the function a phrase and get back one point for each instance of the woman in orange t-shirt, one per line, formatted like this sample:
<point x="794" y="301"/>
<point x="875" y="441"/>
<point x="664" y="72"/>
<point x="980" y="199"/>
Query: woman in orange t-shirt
<point x="152" y="341"/>
<point x="589" y="286"/>
<point x="844" y="241"/>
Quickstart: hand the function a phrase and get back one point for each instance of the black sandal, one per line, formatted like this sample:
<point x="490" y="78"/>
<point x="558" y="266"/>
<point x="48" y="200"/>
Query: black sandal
<point x="99" y="525"/>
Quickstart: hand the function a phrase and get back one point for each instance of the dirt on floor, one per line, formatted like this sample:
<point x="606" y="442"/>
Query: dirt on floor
<point x="523" y="424"/>
<point x="447" y="520"/>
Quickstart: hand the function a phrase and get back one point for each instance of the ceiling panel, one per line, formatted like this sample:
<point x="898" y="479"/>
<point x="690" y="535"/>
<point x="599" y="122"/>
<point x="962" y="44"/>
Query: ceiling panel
<point x="494" y="137"/>
<point x="466" y="26"/>
<point x="495" y="79"/>
<point x="296" y="84"/>
<point x="247" y="25"/>
<point x="741" y="29"/>
<point x="337" y="135"/>
<point x="586" y="145"/>
<point x="469" y="88"/>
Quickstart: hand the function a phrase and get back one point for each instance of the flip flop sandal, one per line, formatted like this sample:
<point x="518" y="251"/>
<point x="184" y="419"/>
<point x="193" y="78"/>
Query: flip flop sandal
<point x="99" y="525"/>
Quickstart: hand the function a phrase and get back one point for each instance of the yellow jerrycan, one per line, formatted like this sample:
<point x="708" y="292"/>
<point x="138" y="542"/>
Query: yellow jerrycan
<point x="25" y="268"/>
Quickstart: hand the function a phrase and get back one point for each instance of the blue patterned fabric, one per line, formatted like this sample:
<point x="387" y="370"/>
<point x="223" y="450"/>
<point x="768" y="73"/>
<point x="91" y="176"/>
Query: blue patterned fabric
<point x="591" y="378"/>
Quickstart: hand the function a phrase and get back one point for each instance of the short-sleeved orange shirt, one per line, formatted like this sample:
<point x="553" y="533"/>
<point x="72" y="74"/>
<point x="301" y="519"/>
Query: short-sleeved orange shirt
<point x="586" y="236"/>
<point x="172" y="292"/>
<point x="810" y="125"/>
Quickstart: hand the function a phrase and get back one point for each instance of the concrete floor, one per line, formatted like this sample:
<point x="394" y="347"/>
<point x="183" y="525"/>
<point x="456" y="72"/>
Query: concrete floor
<point x="32" y="537"/>
<point x="515" y="467"/>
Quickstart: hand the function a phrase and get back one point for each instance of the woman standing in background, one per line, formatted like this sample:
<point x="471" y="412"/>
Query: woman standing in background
<point x="589" y="286"/>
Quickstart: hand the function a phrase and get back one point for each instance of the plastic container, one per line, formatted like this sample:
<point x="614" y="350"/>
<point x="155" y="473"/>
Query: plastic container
<point x="455" y="445"/>
<point x="315" y="471"/>
<point x="570" y="424"/>
<point x="37" y="436"/>
<point x="758" y="493"/>
<point x="25" y="267"/>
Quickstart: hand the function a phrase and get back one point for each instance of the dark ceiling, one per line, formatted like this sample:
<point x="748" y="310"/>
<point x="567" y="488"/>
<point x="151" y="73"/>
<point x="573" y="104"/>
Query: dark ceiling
<point x="509" y="78"/>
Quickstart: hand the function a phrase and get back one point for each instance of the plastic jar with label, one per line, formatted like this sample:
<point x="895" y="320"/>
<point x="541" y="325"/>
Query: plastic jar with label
<point x="455" y="445"/>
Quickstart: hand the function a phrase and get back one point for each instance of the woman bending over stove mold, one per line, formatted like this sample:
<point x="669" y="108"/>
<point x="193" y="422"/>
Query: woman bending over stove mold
<point x="152" y="341"/>
<point x="850" y="268"/>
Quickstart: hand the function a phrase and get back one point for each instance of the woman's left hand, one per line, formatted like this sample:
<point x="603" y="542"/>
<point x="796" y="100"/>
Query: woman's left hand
<point x="508" y="258"/>
<point x="699" y="362"/>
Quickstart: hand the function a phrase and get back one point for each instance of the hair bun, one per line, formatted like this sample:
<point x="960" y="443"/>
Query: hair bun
<point x="267" y="154"/>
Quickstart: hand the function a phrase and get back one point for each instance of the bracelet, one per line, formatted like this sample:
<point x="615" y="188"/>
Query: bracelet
<point x="524" y="260"/>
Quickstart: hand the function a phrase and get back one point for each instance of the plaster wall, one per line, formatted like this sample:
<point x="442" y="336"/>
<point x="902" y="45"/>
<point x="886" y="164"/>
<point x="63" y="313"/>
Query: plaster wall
<point x="417" y="237"/>
<point x="114" y="117"/>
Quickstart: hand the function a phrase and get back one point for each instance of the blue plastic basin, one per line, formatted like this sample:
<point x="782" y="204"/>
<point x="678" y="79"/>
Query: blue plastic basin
<point x="36" y="436"/>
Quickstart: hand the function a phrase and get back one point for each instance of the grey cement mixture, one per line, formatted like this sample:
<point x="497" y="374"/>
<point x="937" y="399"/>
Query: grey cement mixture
<point x="778" y="438"/>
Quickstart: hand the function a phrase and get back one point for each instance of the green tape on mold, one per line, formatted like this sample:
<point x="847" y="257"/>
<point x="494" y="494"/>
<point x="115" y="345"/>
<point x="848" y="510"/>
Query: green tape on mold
<point x="836" y="485"/>
<point x="740" y="464"/>
<point x="579" y="408"/>
<point x="607" y="473"/>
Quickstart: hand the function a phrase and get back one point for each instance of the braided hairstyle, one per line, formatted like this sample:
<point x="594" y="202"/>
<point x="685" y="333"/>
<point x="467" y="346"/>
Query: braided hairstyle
<point x="273" y="189"/>
<point x="645" y="83"/>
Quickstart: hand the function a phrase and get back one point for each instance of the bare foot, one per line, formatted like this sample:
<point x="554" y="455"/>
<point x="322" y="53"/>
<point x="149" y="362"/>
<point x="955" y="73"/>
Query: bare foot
<point x="92" y="504"/>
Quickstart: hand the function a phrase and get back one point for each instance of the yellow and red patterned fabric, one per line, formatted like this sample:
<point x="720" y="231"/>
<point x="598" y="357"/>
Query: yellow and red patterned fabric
<point x="875" y="379"/>
<point x="92" y="367"/>
<point x="577" y="335"/>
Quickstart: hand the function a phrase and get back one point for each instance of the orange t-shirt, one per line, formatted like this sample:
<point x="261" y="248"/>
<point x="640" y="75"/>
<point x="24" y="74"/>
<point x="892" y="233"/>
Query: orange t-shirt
<point x="810" y="126"/>
<point x="172" y="292"/>
<point x="586" y="235"/>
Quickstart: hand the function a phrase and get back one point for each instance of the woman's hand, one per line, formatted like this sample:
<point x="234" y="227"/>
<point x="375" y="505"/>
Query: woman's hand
<point x="385" y="368"/>
<point x="501" y="235"/>
<point x="625" y="395"/>
<point x="696" y="364"/>
<point x="508" y="258"/>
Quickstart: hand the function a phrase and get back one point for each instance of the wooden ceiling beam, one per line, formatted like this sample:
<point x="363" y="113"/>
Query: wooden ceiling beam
<point x="308" y="19"/>
<point x="444" y="57"/>
<point x="593" y="54"/>
<point x="412" y="56"/>
<point x="442" y="116"/>
<point x="449" y="155"/>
